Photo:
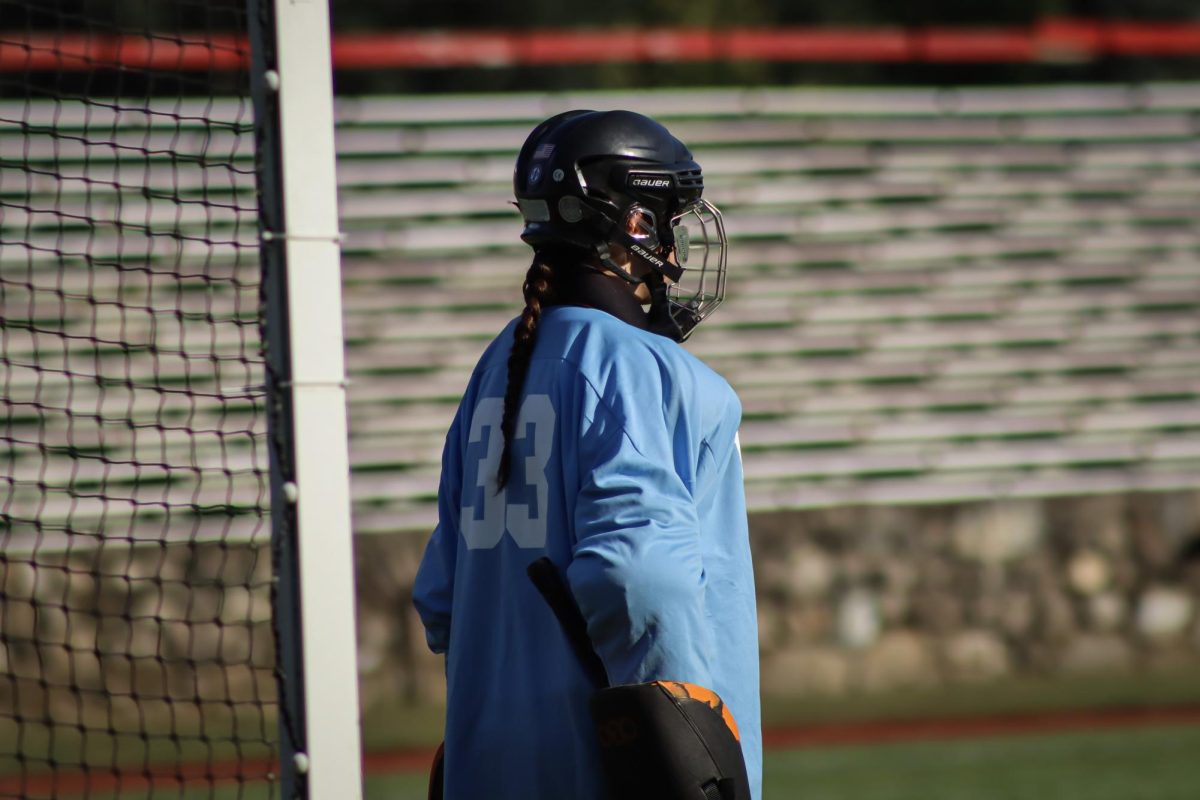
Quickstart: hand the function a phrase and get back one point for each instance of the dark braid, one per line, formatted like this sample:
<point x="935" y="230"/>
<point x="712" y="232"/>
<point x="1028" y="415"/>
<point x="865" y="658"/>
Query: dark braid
<point x="538" y="289"/>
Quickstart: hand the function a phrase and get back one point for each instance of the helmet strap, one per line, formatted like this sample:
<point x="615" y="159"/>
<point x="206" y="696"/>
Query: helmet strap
<point x="659" y="317"/>
<point x="638" y="250"/>
<point x="605" y="255"/>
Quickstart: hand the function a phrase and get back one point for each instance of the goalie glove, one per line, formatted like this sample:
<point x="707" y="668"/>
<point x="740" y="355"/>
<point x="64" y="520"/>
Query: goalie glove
<point x="662" y="740"/>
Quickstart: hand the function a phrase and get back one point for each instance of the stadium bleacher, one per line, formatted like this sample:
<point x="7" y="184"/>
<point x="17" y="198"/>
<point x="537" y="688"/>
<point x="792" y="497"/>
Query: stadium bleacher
<point x="935" y="295"/>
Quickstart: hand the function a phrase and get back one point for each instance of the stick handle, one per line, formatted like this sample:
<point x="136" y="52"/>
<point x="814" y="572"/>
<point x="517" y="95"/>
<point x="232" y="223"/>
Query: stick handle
<point x="553" y="588"/>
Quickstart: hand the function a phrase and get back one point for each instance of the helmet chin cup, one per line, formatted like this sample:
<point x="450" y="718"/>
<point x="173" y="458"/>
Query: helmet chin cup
<point x="659" y="317"/>
<point x="664" y="317"/>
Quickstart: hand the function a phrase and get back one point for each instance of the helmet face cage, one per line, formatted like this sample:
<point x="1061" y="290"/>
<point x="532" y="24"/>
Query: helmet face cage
<point x="693" y="243"/>
<point x="700" y="249"/>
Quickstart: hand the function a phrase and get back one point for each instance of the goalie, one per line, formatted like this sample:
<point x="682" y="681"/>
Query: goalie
<point x="588" y="437"/>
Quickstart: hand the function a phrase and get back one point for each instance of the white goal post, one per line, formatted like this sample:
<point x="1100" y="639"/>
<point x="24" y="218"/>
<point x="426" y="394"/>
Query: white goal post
<point x="294" y="91"/>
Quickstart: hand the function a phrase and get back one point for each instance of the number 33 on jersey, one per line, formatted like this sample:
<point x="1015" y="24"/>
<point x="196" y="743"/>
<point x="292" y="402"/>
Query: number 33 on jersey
<point x="521" y="507"/>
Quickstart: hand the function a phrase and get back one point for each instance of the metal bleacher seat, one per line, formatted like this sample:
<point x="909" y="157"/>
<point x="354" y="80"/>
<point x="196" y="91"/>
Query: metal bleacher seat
<point x="935" y="294"/>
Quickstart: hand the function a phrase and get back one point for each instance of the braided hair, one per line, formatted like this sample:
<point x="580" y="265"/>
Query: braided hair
<point x="539" y="291"/>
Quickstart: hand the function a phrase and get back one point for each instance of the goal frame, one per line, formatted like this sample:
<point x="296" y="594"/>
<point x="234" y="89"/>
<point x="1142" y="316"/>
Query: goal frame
<point x="292" y="86"/>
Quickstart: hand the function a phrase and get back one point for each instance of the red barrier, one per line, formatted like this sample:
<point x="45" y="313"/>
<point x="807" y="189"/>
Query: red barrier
<point x="817" y="44"/>
<point x="1172" y="40"/>
<point x="958" y="45"/>
<point x="1048" y="40"/>
<point x="81" y="52"/>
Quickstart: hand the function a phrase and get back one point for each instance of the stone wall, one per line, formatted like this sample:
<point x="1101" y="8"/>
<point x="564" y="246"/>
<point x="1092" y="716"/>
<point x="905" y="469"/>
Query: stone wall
<point x="879" y="598"/>
<point x="850" y="600"/>
<point x="882" y="598"/>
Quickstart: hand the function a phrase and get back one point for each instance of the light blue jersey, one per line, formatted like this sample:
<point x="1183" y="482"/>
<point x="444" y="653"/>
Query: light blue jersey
<point x="626" y="473"/>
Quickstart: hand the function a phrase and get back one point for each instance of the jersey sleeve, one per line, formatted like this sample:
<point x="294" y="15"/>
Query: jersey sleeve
<point x="637" y="572"/>
<point x="433" y="589"/>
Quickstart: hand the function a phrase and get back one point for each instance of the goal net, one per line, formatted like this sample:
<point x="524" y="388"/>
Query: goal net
<point x="137" y="653"/>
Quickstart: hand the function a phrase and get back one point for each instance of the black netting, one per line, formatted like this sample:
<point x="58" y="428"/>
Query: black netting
<point x="136" y="652"/>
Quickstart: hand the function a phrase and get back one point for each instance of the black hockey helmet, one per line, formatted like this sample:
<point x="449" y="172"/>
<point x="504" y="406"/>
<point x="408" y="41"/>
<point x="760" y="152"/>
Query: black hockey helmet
<point x="593" y="179"/>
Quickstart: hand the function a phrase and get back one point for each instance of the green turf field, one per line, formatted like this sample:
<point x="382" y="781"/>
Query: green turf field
<point x="388" y="727"/>
<point x="1132" y="764"/>
<point x="1158" y="763"/>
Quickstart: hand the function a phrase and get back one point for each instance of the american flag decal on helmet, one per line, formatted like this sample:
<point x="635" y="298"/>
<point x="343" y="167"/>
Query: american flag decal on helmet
<point x="543" y="151"/>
